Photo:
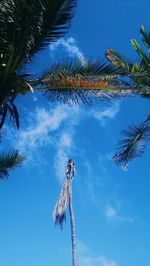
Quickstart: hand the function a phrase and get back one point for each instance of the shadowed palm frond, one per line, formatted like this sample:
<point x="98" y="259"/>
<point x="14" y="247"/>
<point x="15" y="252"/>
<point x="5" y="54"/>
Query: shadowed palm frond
<point x="8" y="162"/>
<point x="13" y="112"/>
<point x="59" y="213"/>
<point x="27" y="26"/>
<point x="134" y="143"/>
<point x="75" y="82"/>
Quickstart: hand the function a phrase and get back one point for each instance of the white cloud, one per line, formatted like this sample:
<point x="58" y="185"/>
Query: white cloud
<point x="107" y="113"/>
<point x="71" y="48"/>
<point x="43" y="121"/>
<point x="55" y="127"/>
<point x="106" y="262"/>
<point x="86" y="258"/>
<point x="50" y="128"/>
<point x="37" y="134"/>
<point x="113" y="214"/>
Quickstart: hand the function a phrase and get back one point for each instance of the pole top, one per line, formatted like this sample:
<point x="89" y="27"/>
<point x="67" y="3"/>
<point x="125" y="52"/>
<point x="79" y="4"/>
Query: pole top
<point x="70" y="171"/>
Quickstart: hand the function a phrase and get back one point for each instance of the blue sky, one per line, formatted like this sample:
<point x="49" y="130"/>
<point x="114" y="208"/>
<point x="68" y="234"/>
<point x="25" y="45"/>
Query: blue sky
<point x="111" y="206"/>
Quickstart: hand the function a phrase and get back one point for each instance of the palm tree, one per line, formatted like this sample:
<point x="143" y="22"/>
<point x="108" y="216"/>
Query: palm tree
<point x="64" y="202"/>
<point x="138" y="74"/>
<point x="26" y="28"/>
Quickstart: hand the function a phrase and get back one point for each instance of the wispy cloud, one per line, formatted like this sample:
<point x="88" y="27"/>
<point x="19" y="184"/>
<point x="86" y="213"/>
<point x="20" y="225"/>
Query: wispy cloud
<point x="53" y="128"/>
<point x="71" y="48"/>
<point x="86" y="258"/>
<point x="113" y="213"/>
<point x="106" y="113"/>
<point x="42" y="123"/>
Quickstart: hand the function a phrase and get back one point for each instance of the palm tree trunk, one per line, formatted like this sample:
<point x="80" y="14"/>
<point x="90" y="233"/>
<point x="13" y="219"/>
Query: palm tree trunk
<point x="72" y="222"/>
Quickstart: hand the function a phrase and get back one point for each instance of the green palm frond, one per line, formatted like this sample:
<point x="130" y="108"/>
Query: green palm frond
<point x="145" y="59"/>
<point x="138" y="74"/>
<point x="27" y="26"/>
<point x="118" y="60"/>
<point x="146" y="36"/>
<point x="8" y="161"/>
<point x="75" y="82"/>
<point x="134" y="143"/>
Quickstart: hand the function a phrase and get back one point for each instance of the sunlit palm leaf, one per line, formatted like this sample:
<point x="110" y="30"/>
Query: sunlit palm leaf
<point x="143" y="56"/>
<point x="146" y="36"/>
<point x="134" y="143"/>
<point x="8" y="162"/>
<point x="75" y="82"/>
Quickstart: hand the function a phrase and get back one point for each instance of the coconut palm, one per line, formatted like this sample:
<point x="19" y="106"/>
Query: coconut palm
<point x="26" y="28"/>
<point x="138" y="74"/>
<point x="64" y="202"/>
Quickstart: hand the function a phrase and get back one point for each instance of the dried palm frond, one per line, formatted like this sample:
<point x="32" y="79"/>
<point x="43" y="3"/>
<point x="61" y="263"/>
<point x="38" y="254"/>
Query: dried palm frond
<point x="59" y="213"/>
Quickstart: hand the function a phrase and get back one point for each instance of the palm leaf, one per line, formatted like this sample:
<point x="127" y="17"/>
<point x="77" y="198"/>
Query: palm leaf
<point x="134" y="143"/>
<point x="27" y="26"/>
<point x="117" y="59"/>
<point x="145" y="59"/>
<point x="146" y="36"/>
<point x="11" y="109"/>
<point x="8" y="162"/>
<point x="75" y="82"/>
<point x="3" y="115"/>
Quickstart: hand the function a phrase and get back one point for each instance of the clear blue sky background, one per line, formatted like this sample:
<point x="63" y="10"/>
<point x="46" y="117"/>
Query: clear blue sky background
<point x="111" y="206"/>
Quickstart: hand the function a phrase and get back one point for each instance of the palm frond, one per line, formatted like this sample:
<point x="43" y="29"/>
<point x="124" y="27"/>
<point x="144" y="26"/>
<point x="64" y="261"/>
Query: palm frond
<point x="117" y="59"/>
<point x="11" y="109"/>
<point x="75" y="82"/>
<point x="59" y="213"/>
<point x="146" y="36"/>
<point x="8" y="162"/>
<point x="134" y="143"/>
<point x="143" y="56"/>
<point x="27" y="26"/>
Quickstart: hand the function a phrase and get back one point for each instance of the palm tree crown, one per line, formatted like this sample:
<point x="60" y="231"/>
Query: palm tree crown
<point x="136" y="136"/>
